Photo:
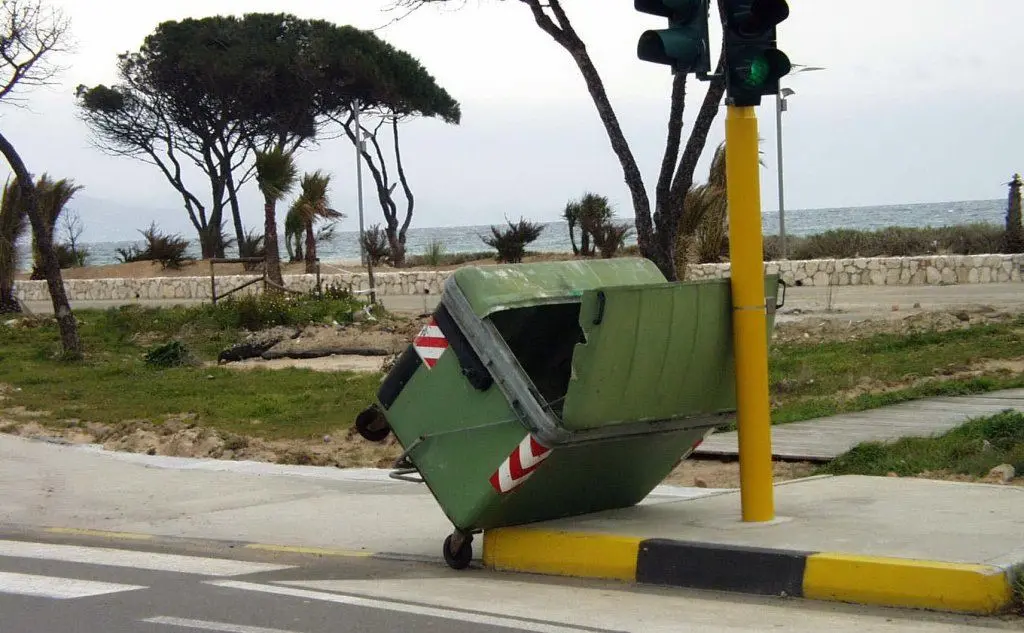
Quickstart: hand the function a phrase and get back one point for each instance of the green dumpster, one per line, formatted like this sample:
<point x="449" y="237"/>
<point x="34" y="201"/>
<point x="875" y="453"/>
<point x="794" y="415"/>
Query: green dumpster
<point x="540" y="391"/>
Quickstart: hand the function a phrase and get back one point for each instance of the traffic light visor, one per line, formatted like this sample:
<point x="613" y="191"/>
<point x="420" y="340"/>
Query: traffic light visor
<point x="668" y="47"/>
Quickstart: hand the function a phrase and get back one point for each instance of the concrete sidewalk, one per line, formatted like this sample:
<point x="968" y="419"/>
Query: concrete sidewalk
<point x="881" y="541"/>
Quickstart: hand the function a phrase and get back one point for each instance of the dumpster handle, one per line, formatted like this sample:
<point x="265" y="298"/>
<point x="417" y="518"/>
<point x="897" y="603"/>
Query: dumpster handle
<point x="779" y="304"/>
<point x="600" y="307"/>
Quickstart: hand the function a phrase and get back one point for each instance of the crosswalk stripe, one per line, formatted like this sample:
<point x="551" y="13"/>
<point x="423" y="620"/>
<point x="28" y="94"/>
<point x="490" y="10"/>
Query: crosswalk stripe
<point x="138" y="560"/>
<point x="59" y="588"/>
<point x="518" y="624"/>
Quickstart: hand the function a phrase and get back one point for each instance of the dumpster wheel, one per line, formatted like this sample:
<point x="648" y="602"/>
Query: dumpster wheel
<point x="372" y="425"/>
<point x="458" y="550"/>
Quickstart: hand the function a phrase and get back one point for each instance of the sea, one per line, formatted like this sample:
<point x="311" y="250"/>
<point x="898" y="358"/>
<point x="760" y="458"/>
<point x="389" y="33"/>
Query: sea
<point x="344" y="247"/>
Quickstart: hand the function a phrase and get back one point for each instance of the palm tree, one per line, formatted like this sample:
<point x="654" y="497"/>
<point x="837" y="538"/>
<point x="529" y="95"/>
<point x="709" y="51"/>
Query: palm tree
<point x="275" y="174"/>
<point x="572" y="218"/>
<point x="595" y="212"/>
<point x="311" y="206"/>
<point x="52" y="197"/>
<point x="702" y="238"/>
<point x="12" y="226"/>
<point x="293" y="235"/>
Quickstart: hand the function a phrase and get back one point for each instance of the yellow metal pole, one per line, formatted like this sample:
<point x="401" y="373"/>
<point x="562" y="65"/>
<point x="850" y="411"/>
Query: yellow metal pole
<point x="750" y="334"/>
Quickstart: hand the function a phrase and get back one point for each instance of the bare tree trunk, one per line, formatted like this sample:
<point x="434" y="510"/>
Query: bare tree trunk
<point x="71" y="343"/>
<point x="310" y="249"/>
<point x="236" y="213"/>
<point x="270" y="239"/>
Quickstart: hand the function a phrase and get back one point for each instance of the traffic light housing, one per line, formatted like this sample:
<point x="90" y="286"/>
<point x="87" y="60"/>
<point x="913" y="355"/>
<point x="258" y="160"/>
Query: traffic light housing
<point x="684" y="44"/>
<point x="753" y="62"/>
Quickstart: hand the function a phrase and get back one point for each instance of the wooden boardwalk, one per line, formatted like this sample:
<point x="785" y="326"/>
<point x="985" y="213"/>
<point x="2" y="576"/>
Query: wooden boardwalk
<point x="823" y="439"/>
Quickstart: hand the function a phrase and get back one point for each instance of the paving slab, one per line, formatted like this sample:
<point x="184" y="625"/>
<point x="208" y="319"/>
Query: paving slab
<point x="874" y="540"/>
<point x="824" y="439"/>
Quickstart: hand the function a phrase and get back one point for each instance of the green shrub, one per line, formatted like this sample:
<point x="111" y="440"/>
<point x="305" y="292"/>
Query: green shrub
<point x="253" y="244"/>
<point x="169" y="250"/>
<point x="894" y="241"/>
<point x="257" y="312"/>
<point x="434" y="255"/>
<point x="511" y="242"/>
<point x="376" y="245"/>
<point x="172" y="354"/>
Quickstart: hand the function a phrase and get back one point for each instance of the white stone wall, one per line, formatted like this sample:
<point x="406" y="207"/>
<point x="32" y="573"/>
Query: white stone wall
<point x="887" y="271"/>
<point x="880" y="271"/>
<point x="405" y="283"/>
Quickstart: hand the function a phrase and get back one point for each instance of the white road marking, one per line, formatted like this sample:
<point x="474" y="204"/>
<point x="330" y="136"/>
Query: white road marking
<point x="638" y="609"/>
<point x="434" y="612"/>
<point x="59" y="588"/>
<point x="203" y="625"/>
<point x="137" y="560"/>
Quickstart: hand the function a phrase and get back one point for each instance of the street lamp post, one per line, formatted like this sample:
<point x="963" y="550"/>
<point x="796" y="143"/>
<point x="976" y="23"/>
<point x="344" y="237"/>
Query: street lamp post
<point x="780" y="107"/>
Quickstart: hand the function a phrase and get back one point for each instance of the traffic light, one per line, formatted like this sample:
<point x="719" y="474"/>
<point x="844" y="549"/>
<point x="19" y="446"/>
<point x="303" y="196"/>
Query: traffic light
<point x="753" y="63"/>
<point x="684" y="45"/>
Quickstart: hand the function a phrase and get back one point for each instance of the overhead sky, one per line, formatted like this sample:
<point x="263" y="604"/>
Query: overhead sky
<point x="919" y="102"/>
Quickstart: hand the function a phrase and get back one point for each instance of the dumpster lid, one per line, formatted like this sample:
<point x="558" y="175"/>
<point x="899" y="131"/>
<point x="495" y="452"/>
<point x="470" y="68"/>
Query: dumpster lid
<point x="491" y="289"/>
<point x="654" y="352"/>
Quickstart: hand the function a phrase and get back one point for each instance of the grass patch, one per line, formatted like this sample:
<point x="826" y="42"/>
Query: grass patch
<point x="114" y="383"/>
<point x="811" y="380"/>
<point x="971" y="449"/>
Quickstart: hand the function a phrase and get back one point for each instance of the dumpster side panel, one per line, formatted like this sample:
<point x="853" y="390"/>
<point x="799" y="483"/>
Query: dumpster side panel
<point x="465" y="432"/>
<point x="591" y="477"/>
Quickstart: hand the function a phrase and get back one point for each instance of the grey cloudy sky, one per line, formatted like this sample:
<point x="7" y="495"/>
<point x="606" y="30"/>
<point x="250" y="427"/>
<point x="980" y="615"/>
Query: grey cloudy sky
<point x="920" y="102"/>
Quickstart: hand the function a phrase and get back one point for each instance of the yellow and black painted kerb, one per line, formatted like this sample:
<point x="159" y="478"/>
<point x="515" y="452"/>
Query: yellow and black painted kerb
<point x="721" y="567"/>
<point x="852" y="578"/>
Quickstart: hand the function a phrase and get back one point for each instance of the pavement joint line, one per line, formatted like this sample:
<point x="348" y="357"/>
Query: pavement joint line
<point x="319" y="551"/>
<point x="29" y="532"/>
<point x="131" y="536"/>
<point x="979" y="589"/>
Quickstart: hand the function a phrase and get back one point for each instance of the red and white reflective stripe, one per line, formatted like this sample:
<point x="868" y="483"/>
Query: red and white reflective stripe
<point x="430" y="343"/>
<point x="519" y="465"/>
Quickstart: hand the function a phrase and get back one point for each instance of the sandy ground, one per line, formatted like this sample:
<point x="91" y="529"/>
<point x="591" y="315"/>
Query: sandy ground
<point x="333" y="363"/>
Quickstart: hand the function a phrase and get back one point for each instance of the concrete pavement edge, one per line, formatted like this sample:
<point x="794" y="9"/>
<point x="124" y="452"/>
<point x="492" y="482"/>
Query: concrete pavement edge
<point x="830" y="576"/>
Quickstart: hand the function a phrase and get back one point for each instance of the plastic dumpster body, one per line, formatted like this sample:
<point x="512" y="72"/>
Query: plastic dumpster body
<point x="540" y="391"/>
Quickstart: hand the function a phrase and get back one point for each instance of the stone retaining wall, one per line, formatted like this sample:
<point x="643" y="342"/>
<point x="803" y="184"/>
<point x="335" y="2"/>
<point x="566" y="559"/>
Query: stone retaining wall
<point x="406" y="283"/>
<point x="879" y="271"/>
<point x="887" y="271"/>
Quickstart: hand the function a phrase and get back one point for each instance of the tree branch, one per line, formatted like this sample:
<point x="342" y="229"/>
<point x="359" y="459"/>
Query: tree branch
<point x="672" y="143"/>
<point x="410" y="200"/>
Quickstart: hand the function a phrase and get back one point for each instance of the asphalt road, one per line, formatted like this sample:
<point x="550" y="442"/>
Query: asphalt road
<point x="75" y="584"/>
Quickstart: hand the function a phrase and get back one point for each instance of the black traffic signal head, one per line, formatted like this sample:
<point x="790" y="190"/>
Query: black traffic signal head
<point x="753" y="63"/>
<point x="684" y="45"/>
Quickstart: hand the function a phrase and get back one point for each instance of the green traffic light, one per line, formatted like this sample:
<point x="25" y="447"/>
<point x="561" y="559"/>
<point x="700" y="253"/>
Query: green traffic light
<point x="759" y="70"/>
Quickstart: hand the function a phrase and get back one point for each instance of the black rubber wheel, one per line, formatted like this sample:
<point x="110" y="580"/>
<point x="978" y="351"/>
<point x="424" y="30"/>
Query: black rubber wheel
<point x="372" y="425"/>
<point x="462" y="558"/>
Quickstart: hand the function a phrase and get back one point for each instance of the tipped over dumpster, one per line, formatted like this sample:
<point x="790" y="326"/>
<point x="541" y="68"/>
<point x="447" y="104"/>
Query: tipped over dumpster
<point x="542" y="391"/>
